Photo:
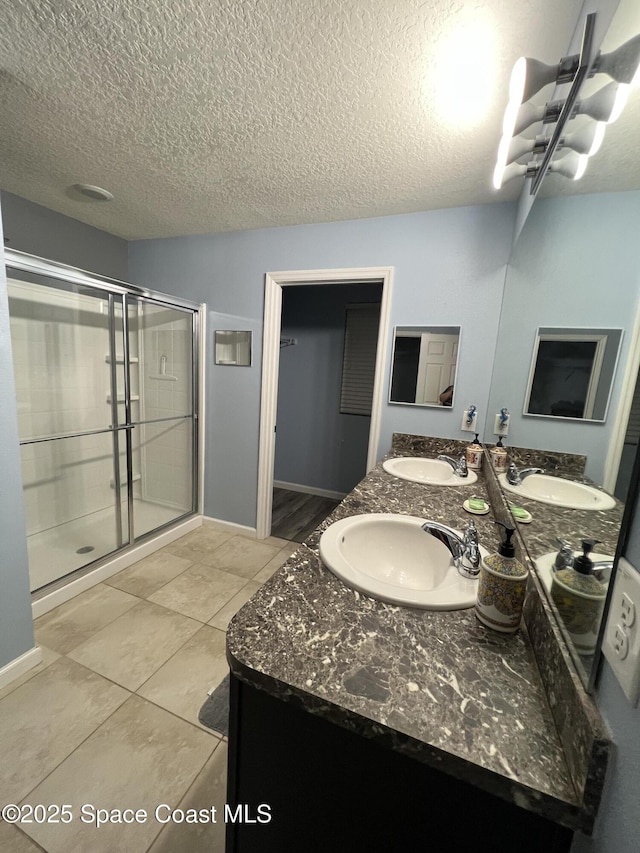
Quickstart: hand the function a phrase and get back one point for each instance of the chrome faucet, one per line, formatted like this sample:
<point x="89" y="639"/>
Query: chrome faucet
<point x="459" y="465"/>
<point x="565" y="559"/>
<point x="565" y="556"/>
<point x="464" y="550"/>
<point x="515" y="476"/>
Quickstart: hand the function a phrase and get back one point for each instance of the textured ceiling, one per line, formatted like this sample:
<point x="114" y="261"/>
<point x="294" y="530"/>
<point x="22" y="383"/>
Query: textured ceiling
<point x="204" y="116"/>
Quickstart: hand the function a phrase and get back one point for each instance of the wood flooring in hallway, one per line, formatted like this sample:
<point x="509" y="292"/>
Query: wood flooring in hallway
<point x="295" y="514"/>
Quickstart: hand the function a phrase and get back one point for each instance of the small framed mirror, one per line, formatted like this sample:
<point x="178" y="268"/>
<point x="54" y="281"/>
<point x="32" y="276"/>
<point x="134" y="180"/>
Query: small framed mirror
<point x="424" y="365"/>
<point x="233" y="348"/>
<point x="572" y="372"/>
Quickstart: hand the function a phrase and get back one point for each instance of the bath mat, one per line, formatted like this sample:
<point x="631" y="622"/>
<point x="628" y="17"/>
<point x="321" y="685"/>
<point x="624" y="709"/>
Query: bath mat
<point x="214" y="714"/>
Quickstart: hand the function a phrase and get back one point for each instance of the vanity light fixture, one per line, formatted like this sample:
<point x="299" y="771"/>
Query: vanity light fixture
<point x="587" y="141"/>
<point x="519" y="116"/>
<point x="605" y="106"/>
<point x="530" y="75"/>
<point x="571" y="165"/>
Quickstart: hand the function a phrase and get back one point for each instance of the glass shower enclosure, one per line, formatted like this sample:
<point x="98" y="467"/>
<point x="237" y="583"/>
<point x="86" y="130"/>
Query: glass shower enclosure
<point x="107" y="390"/>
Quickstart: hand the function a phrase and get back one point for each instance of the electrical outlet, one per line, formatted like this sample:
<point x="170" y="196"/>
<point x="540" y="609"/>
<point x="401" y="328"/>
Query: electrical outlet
<point x="466" y="426"/>
<point x="627" y="611"/>
<point x="621" y="644"/>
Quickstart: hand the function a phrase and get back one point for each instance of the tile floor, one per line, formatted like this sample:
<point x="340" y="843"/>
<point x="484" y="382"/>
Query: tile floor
<point x="109" y="719"/>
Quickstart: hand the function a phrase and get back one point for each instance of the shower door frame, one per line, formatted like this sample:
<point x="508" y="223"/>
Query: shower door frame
<point x="118" y="291"/>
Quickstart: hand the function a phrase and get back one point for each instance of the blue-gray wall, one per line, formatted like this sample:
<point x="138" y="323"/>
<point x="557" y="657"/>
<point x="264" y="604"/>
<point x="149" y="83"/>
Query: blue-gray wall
<point x="449" y="270"/>
<point x="316" y="445"/>
<point x="576" y="263"/>
<point x="31" y="228"/>
<point x="16" y="629"/>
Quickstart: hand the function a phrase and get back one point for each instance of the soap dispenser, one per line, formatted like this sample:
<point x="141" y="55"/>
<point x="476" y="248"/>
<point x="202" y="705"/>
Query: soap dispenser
<point x="499" y="457"/>
<point x="474" y="454"/>
<point x="580" y="597"/>
<point x="502" y="586"/>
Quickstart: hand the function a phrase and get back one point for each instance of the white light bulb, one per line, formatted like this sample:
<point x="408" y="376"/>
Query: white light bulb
<point x="620" y="102"/>
<point x="598" y="138"/>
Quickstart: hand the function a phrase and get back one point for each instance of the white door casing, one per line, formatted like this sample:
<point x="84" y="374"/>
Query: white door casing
<point x="274" y="282"/>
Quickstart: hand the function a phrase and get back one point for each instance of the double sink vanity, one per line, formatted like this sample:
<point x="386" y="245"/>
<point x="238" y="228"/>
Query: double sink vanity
<point x="369" y="719"/>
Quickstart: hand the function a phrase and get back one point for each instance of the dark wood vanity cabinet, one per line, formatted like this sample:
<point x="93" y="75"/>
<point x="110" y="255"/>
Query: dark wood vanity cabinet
<point x="325" y="789"/>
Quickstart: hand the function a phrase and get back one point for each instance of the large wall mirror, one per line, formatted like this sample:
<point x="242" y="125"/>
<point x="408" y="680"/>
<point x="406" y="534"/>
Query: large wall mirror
<point x="576" y="265"/>
<point x="424" y="365"/>
<point x="572" y="372"/>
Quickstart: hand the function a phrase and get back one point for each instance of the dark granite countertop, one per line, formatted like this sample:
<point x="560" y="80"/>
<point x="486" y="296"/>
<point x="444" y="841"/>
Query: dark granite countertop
<point x="435" y="685"/>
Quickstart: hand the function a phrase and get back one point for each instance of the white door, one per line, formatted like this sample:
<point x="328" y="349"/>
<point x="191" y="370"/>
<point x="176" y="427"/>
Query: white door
<point x="436" y="367"/>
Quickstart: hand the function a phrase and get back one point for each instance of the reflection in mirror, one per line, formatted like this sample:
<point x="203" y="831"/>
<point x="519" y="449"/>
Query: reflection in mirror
<point x="572" y="373"/>
<point x="423" y="369"/>
<point x="576" y="264"/>
<point x="233" y="347"/>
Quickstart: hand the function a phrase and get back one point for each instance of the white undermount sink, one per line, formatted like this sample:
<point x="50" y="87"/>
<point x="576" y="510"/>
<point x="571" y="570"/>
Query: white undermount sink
<point x="559" y="492"/>
<point x="544" y="565"/>
<point x="391" y="558"/>
<point x="431" y="472"/>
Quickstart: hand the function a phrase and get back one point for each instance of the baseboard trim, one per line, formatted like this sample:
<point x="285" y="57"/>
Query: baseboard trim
<point x="220" y="524"/>
<point x="309" y="490"/>
<point x="117" y="564"/>
<point x="17" y="667"/>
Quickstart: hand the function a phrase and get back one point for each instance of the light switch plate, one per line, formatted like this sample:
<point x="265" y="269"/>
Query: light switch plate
<point x="621" y="644"/>
<point x="498" y="429"/>
<point x="466" y="426"/>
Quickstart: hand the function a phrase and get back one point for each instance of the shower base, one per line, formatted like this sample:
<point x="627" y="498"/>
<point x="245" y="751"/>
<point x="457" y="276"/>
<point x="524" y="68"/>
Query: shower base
<point x="61" y="550"/>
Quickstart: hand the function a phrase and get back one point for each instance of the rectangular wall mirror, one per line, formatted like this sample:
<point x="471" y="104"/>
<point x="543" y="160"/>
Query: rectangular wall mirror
<point x="572" y="372"/>
<point x="233" y="347"/>
<point x="424" y="364"/>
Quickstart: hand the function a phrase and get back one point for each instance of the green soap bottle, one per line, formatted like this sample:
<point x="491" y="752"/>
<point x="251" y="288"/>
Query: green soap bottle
<point x="579" y="597"/>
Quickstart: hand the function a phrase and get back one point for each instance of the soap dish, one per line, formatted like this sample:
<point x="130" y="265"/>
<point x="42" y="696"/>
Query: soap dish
<point x="520" y="514"/>
<point x="469" y="506"/>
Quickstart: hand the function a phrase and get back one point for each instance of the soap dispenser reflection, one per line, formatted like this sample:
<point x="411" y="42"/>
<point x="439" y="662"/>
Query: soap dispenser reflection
<point x="580" y="597"/>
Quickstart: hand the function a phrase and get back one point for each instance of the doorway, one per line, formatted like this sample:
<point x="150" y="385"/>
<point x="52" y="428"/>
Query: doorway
<point x="274" y="284"/>
<point x="325" y="381"/>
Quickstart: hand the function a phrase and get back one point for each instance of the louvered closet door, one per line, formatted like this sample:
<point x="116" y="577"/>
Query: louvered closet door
<point x="359" y="358"/>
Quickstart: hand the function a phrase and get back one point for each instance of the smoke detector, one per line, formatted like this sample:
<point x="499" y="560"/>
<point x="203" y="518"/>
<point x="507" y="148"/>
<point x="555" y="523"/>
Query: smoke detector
<point x="87" y="192"/>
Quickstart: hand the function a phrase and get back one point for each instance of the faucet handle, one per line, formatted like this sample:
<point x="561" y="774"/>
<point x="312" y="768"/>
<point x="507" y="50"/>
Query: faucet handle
<point x="565" y="556"/>
<point x="471" y="533"/>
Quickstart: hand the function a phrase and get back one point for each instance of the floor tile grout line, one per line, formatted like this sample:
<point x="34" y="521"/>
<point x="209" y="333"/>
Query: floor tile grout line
<point x="186" y="793"/>
<point x="200" y="728"/>
<point x="92" y="732"/>
<point x="106" y="719"/>
<point x="134" y="693"/>
<point x="30" y="839"/>
<point x="155" y="590"/>
<point x="173" y="654"/>
<point x="195" y="618"/>
<point x="202" y="624"/>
